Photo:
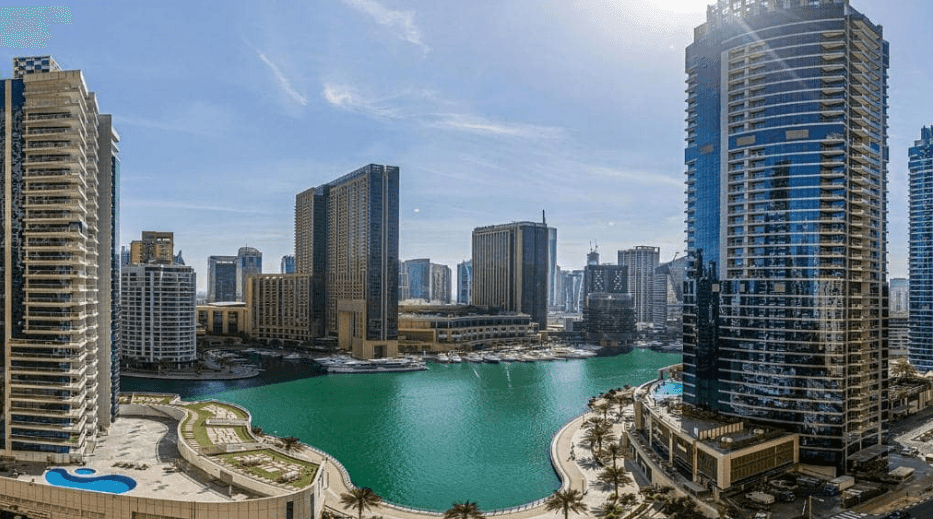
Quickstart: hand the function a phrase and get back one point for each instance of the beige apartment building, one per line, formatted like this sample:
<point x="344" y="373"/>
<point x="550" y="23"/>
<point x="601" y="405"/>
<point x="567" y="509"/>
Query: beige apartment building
<point x="57" y="302"/>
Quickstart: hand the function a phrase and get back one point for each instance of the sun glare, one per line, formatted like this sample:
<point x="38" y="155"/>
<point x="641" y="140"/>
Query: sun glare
<point x="682" y="6"/>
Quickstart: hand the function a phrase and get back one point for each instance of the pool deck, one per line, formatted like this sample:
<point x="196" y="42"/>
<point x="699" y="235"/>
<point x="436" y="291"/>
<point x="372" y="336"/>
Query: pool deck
<point x="150" y="441"/>
<point x="144" y="441"/>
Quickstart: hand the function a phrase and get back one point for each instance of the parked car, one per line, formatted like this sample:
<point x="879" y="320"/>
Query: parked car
<point x="900" y="514"/>
<point x="786" y="496"/>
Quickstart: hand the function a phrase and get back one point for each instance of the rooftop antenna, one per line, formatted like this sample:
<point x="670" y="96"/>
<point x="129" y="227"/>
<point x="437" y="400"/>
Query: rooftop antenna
<point x="543" y="219"/>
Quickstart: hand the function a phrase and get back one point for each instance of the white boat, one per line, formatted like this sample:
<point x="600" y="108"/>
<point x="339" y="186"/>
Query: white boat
<point x="443" y="358"/>
<point x="543" y="355"/>
<point x="293" y="356"/>
<point x="509" y="356"/>
<point x="453" y="357"/>
<point x="492" y="358"/>
<point x="473" y="357"/>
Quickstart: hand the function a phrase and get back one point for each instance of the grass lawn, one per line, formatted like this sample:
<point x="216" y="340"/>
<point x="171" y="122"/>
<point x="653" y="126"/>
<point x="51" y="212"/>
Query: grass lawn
<point x="307" y="473"/>
<point x="199" y="427"/>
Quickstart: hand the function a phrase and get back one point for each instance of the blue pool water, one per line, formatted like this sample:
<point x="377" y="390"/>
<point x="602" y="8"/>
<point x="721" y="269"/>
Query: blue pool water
<point x="669" y="389"/>
<point x="111" y="483"/>
<point x="85" y="471"/>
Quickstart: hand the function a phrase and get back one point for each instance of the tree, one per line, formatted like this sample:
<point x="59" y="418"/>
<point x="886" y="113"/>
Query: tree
<point x="627" y="499"/>
<point x="360" y="499"/>
<point x="603" y="407"/>
<point x="594" y="422"/>
<point x="683" y="508"/>
<point x="615" y="477"/>
<point x="289" y="443"/>
<point x="614" y="452"/>
<point x="464" y="510"/>
<point x="610" y="510"/>
<point x="566" y="501"/>
<point x="597" y="436"/>
<point x="901" y="368"/>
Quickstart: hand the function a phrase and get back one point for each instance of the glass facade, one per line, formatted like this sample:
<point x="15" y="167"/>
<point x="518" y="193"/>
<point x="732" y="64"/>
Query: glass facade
<point x="785" y="311"/>
<point x="921" y="251"/>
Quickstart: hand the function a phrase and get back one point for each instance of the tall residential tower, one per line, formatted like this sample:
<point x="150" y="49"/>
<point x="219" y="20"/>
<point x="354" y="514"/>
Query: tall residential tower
<point x="785" y="306"/>
<point x="510" y="268"/>
<point x="346" y="238"/>
<point x="921" y="251"/>
<point x="58" y="255"/>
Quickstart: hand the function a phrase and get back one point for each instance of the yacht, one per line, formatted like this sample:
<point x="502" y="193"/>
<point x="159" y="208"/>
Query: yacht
<point x="473" y="357"/>
<point x="453" y="357"/>
<point x="443" y="358"/>
<point x="492" y="358"/>
<point x="509" y="356"/>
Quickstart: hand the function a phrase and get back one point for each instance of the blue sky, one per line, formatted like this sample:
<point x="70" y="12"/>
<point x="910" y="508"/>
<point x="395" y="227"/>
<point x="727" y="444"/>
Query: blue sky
<point x="493" y="110"/>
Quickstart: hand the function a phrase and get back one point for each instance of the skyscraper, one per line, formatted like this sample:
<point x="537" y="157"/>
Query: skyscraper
<point x="346" y="237"/>
<point x="510" y="264"/>
<point x="158" y="311"/>
<point x="440" y="283"/>
<point x="784" y="312"/>
<point x="288" y="264"/>
<point x="154" y="247"/>
<point x="465" y="282"/>
<point x="248" y="263"/>
<point x="58" y="261"/>
<point x="221" y="279"/>
<point x="642" y="262"/>
<point x="921" y="251"/>
<point x="417" y="275"/>
<point x="552" y="271"/>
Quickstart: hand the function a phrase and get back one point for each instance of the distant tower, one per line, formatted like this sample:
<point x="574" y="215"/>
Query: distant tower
<point x="510" y="263"/>
<point x="921" y="251"/>
<point x="248" y="263"/>
<point x="288" y="264"/>
<point x="465" y="282"/>
<point x="642" y="262"/>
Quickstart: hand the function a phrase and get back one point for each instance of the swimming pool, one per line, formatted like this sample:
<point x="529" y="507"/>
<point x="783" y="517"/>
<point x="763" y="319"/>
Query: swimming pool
<point x="668" y="390"/>
<point x="84" y="471"/>
<point x="111" y="483"/>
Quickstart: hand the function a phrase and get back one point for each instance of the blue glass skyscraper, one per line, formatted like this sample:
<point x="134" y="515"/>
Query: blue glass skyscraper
<point x="785" y="311"/>
<point x="921" y="251"/>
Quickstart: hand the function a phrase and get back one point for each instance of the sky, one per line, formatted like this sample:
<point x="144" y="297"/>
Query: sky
<point x="493" y="110"/>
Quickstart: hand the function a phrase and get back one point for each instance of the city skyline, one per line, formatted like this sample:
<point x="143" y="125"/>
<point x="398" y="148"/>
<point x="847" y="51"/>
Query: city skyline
<point x="241" y="113"/>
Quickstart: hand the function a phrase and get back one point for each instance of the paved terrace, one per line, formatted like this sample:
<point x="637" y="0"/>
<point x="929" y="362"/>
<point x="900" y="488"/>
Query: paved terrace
<point x="146" y="449"/>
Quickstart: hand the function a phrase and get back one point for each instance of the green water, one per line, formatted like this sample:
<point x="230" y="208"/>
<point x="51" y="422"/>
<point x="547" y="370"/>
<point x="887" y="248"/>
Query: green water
<point x="478" y="432"/>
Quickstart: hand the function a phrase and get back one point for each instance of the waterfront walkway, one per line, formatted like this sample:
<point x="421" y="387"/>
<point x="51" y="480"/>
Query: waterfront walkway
<point x="579" y="472"/>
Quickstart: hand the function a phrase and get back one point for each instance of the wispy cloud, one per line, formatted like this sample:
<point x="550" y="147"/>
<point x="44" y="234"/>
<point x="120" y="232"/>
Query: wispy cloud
<point x="476" y="124"/>
<point x="191" y="206"/>
<point x="284" y="83"/>
<point x="348" y="99"/>
<point x="198" y="118"/>
<point x="402" y="22"/>
<point x="636" y="177"/>
<point x="420" y="107"/>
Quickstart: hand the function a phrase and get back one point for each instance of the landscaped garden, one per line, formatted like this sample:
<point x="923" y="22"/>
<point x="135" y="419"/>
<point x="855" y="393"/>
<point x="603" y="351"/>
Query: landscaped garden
<point x="273" y="466"/>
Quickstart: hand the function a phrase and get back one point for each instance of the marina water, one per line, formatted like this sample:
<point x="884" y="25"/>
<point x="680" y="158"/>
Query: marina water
<point x="478" y="432"/>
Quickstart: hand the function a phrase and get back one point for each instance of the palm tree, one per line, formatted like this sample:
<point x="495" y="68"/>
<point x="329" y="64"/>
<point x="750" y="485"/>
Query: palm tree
<point x="614" y="451"/>
<point x="464" y="510"/>
<point x="603" y="407"/>
<point x="901" y="368"/>
<point x="360" y="498"/>
<point x="597" y="436"/>
<point x="627" y="499"/>
<point x="566" y="501"/>
<point x="615" y="477"/>
<point x="289" y="443"/>
<point x="593" y="422"/>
